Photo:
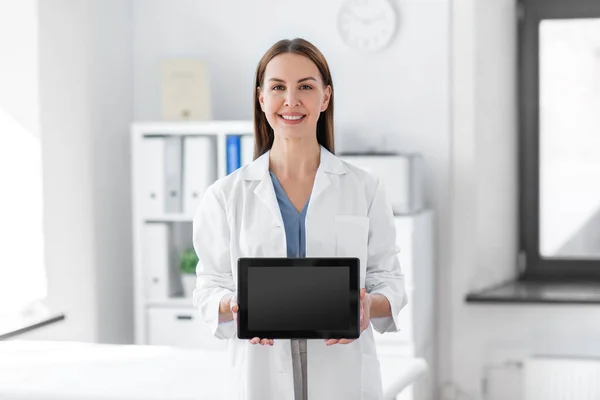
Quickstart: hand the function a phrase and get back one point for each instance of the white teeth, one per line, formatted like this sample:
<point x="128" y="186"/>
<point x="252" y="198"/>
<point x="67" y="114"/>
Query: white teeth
<point x="292" y="117"/>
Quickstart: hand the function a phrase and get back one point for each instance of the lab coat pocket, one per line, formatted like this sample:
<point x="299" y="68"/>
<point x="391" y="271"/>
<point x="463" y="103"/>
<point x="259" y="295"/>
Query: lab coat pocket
<point x="352" y="239"/>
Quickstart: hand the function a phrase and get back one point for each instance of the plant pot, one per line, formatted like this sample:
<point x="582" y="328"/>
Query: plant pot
<point x="188" y="281"/>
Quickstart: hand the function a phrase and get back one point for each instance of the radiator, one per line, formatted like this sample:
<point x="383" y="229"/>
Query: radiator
<point x="549" y="378"/>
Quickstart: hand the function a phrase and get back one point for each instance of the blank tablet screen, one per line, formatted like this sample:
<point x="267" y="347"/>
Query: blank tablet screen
<point x="298" y="298"/>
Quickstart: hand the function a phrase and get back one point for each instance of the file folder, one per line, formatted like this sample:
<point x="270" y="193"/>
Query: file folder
<point x="161" y="278"/>
<point x="153" y="176"/>
<point x="173" y="174"/>
<point x="199" y="171"/>
<point x="247" y="149"/>
<point x="233" y="153"/>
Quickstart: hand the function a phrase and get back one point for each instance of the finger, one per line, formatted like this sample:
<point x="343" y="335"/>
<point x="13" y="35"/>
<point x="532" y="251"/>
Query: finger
<point x="363" y="292"/>
<point x="345" y="341"/>
<point x="254" y="340"/>
<point x="271" y="342"/>
<point x="234" y="308"/>
<point x="233" y="302"/>
<point x="264" y="342"/>
<point x="330" y="342"/>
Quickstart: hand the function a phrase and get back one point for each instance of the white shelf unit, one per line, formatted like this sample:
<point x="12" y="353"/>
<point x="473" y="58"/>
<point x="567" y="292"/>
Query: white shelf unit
<point x="163" y="315"/>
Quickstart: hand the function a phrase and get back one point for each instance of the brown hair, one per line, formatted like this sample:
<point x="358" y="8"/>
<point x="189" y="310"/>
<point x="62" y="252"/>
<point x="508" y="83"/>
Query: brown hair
<point x="263" y="132"/>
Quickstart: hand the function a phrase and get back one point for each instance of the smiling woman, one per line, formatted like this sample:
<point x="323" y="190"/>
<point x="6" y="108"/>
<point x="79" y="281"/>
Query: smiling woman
<point x="298" y="200"/>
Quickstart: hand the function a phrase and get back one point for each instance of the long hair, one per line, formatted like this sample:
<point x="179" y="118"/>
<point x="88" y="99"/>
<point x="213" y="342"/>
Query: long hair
<point x="263" y="133"/>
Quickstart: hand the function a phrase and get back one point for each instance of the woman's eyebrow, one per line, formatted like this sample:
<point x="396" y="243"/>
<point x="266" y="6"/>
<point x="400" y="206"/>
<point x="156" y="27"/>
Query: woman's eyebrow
<point x="308" y="78"/>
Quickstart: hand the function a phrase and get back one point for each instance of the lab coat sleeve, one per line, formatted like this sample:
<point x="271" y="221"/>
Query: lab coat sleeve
<point x="214" y="277"/>
<point x="384" y="275"/>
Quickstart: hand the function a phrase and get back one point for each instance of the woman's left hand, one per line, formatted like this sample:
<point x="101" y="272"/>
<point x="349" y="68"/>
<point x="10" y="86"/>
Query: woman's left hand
<point x="365" y="318"/>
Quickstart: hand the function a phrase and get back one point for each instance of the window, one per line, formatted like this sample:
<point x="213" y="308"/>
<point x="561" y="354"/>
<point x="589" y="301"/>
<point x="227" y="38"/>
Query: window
<point x="559" y="64"/>
<point x="22" y="272"/>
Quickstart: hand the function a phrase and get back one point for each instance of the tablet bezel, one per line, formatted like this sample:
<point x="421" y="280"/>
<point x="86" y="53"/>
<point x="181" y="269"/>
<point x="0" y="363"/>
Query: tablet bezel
<point x="244" y="263"/>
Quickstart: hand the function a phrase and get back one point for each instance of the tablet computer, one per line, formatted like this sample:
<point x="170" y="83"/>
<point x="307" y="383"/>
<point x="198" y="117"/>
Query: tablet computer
<point x="298" y="298"/>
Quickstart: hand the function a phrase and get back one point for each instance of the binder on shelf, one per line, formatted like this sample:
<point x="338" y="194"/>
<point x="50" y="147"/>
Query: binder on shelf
<point x="152" y="176"/>
<point x="233" y="147"/>
<point x="161" y="276"/>
<point x="199" y="171"/>
<point x="247" y="149"/>
<point x="173" y="171"/>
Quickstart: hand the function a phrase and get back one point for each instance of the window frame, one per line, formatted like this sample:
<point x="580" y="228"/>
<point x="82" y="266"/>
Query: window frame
<point x="533" y="266"/>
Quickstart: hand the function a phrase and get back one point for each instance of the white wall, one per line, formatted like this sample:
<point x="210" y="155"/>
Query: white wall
<point x="21" y="230"/>
<point x="113" y="105"/>
<point x="85" y="111"/>
<point x="484" y="177"/>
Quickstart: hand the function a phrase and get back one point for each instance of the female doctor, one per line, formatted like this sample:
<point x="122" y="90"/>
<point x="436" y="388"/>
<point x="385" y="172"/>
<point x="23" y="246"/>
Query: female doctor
<point x="298" y="199"/>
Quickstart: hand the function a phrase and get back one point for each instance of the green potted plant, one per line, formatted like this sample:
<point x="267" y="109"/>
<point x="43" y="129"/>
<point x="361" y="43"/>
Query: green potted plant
<point x="188" y="262"/>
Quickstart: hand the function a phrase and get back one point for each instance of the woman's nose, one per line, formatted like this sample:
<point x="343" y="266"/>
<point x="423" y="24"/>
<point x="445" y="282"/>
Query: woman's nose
<point x="291" y="99"/>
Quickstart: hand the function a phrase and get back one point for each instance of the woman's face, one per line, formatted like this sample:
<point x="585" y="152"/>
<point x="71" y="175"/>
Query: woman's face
<point x="292" y="95"/>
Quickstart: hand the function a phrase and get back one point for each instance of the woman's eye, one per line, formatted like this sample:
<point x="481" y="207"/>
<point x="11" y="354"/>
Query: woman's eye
<point x="277" y="87"/>
<point x="305" y="87"/>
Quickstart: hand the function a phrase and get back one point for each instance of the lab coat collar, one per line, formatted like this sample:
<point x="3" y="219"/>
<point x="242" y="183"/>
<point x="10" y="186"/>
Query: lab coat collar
<point x="258" y="170"/>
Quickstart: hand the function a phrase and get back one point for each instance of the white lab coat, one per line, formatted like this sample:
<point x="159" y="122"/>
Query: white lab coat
<point x="348" y="216"/>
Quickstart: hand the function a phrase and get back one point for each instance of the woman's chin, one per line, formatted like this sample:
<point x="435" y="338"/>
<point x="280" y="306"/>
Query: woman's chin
<point x="295" y="131"/>
<point x="295" y="135"/>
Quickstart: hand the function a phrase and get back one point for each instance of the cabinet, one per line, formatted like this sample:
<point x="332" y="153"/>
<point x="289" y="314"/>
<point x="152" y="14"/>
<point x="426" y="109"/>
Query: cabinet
<point x="179" y="326"/>
<point x="414" y="236"/>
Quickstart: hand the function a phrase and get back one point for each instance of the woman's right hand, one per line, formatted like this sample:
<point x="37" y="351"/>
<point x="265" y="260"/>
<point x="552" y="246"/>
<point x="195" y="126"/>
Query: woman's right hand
<point x="234" y="308"/>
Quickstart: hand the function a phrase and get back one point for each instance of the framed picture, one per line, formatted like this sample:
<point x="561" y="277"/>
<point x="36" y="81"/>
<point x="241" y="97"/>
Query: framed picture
<point x="185" y="89"/>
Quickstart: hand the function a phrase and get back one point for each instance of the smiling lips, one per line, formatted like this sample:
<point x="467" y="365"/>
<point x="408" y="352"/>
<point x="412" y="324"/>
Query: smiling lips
<point x="292" y="118"/>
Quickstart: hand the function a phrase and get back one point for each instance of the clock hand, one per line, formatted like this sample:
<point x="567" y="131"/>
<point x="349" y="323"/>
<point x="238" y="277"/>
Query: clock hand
<point x="376" y="18"/>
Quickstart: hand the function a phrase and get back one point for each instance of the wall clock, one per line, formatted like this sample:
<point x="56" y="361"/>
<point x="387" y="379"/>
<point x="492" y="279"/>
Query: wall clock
<point x="367" y="25"/>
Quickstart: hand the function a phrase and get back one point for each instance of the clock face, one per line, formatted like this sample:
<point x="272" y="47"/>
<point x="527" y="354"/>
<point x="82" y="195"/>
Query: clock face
<point x="367" y="24"/>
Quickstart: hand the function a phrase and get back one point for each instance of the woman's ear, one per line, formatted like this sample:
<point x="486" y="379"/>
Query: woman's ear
<point x="326" y="98"/>
<point x="261" y="98"/>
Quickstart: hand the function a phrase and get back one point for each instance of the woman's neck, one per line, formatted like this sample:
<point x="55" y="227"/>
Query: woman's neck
<point x="294" y="158"/>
